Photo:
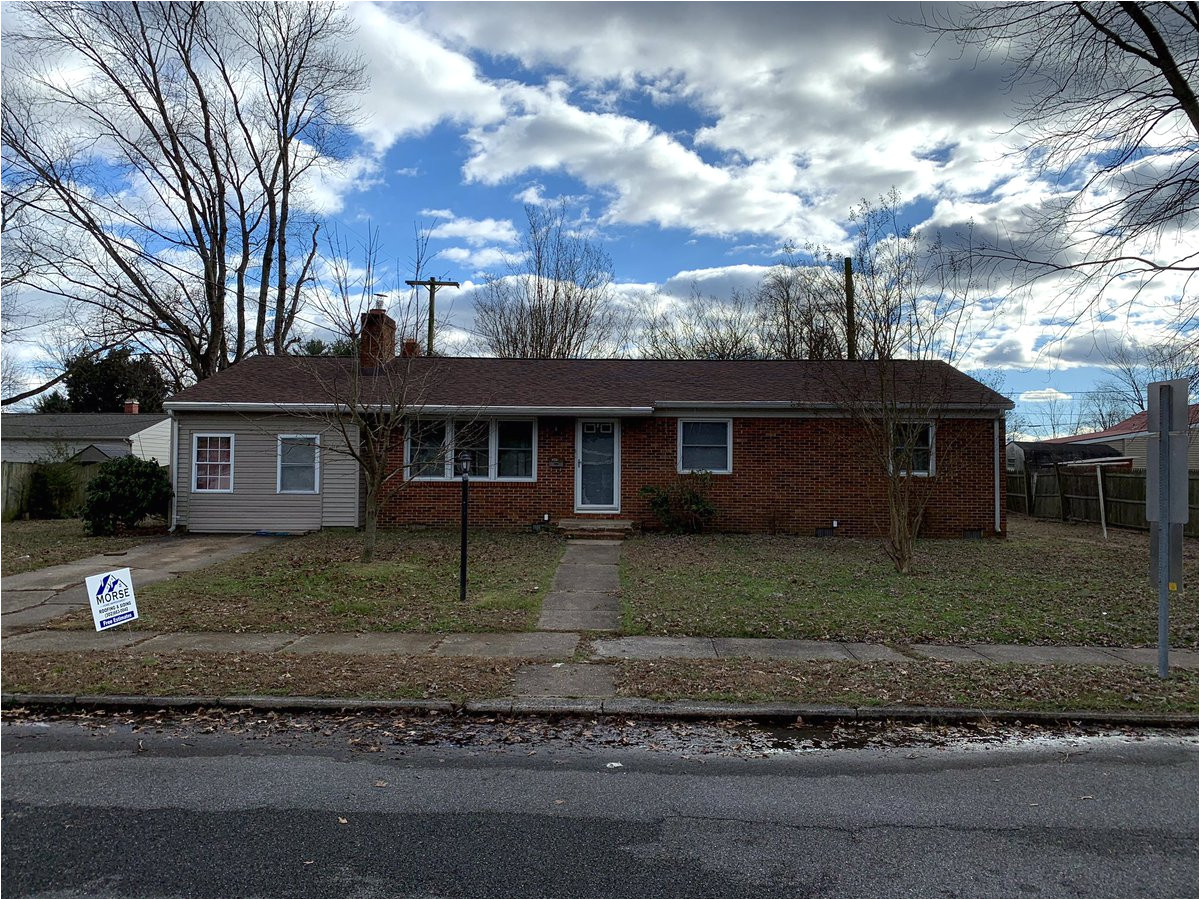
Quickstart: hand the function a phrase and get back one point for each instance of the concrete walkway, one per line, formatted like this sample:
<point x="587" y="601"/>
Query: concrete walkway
<point x="586" y="588"/>
<point x="563" y="646"/>
<point x="31" y="599"/>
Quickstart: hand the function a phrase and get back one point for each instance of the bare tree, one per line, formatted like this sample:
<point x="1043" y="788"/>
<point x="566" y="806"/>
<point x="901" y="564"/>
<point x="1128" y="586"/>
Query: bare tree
<point x="1133" y="366"/>
<point x="368" y="407"/>
<point x="370" y="403"/>
<point x="168" y="166"/>
<point x="1064" y="415"/>
<point x="555" y="301"/>
<point x="701" y="327"/>
<point x="913" y="313"/>
<point x="1101" y="409"/>
<point x="1106" y="90"/>
<point x="801" y="308"/>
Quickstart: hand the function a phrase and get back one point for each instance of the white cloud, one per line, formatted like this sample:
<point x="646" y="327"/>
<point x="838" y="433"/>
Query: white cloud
<point x="475" y="232"/>
<point x="1044" y="395"/>
<point x="649" y="177"/>
<point x="416" y="81"/>
<point x="327" y="184"/>
<point x="477" y="259"/>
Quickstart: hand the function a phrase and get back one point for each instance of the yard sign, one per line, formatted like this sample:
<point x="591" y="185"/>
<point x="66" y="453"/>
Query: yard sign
<point x="111" y="596"/>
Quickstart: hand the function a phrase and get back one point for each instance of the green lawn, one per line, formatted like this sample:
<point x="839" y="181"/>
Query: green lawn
<point x="36" y="544"/>
<point x="315" y="584"/>
<point x="1048" y="583"/>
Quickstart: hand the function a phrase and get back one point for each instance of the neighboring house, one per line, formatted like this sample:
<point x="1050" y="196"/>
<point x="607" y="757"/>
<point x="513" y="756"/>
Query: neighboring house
<point x="1130" y="438"/>
<point x="556" y="439"/>
<point x="1033" y="456"/>
<point x="84" y="437"/>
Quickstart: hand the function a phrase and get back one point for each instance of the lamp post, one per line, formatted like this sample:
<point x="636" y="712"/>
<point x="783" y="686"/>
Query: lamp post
<point x="464" y="470"/>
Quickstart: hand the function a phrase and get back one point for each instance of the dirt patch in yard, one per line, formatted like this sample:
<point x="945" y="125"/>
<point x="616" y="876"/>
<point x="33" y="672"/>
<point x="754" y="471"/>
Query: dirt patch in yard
<point x="1048" y="583"/>
<point x="222" y="674"/>
<point x="925" y="683"/>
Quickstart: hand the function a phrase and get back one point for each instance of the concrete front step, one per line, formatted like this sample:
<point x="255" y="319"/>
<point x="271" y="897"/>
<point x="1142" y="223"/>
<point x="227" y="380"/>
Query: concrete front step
<point x="596" y="529"/>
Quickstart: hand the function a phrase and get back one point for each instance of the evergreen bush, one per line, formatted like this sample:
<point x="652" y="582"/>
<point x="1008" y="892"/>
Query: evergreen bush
<point x="125" y="491"/>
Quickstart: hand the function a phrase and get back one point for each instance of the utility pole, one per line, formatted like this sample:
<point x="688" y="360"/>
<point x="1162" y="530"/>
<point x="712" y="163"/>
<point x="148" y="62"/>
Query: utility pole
<point x="433" y="284"/>
<point x="851" y="337"/>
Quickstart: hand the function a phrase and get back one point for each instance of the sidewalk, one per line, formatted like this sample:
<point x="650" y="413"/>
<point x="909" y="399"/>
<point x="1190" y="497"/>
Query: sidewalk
<point x="563" y="646"/>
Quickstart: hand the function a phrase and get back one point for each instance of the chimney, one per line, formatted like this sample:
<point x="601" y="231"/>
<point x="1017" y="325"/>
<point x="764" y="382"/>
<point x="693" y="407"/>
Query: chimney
<point x="377" y="345"/>
<point x="412" y="347"/>
<point x="131" y="407"/>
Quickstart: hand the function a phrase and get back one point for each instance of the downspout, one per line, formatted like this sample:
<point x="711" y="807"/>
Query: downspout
<point x="171" y="457"/>
<point x="996" y="463"/>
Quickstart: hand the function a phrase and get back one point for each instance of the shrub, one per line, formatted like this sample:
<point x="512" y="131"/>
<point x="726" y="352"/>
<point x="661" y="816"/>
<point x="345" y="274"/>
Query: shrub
<point x="683" y="506"/>
<point x="124" y="492"/>
<point x="53" y="491"/>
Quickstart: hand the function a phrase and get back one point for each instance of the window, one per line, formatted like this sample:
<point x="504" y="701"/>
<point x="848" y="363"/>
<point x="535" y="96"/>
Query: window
<point x="514" y="449"/>
<point x="427" y="450"/>
<point x="471" y="438"/>
<point x="706" y="446"/>
<point x="500" y="450"/>
<point x="212" y="463"/>
<point x="912" y="448"/>
<point x="299" y="458"/>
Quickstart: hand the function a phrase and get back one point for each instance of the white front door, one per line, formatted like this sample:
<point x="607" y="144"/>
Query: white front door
<point x="598" y="465"/>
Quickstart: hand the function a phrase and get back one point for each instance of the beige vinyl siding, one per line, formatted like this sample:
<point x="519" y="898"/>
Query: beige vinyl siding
<point x="1136" y="447"/>
<point x="153" y="443"/>
<point x="254" y="504"/>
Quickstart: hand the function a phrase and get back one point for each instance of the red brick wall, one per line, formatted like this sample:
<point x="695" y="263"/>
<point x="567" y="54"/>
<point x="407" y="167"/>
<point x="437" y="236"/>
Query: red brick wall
<point x="789" y="474"/>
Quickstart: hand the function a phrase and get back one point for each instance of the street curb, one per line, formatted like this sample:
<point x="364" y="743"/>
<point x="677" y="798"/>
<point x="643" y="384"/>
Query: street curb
<point x="558" y="706"/>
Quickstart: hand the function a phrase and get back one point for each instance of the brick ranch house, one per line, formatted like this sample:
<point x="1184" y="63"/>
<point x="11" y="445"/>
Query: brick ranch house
<point x="254" y="448"/>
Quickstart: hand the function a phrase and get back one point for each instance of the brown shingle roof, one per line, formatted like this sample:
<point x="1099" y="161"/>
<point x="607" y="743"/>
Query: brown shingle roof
<point x="579" y="383"/>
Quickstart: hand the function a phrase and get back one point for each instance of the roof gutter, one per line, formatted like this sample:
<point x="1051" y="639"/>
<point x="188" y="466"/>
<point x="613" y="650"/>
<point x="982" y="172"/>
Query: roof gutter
<point x="416" y="408"/>
<point x="831" y="407"/>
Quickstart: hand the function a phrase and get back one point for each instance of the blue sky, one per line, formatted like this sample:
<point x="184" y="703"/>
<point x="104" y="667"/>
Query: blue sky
<point x="693" y="141"/>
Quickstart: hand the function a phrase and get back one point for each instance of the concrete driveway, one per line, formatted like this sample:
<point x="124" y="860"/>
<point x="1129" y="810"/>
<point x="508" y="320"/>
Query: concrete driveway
<point x="33" y="598"/>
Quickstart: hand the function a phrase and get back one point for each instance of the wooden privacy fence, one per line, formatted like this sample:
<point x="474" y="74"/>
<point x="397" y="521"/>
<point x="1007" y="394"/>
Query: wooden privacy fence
<point x="1074" y="495"/>
<point x="15" y="478"/>
<point x="15" y="482"/>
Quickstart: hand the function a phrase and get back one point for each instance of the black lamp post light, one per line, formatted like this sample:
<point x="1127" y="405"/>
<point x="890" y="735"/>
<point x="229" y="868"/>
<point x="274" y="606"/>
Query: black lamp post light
<point x="464" y="470"/>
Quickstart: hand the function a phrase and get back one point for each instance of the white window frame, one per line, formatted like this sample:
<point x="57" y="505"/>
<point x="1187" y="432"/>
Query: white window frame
<point x="728" y="423"/>
<point x="919" y="473"/>
<point x="232" y="460"/>
<point x="279" y="439"/>
<point x="493" y="451"/>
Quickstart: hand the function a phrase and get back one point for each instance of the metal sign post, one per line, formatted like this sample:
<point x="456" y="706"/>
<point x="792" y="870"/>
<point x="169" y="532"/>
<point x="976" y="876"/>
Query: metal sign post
<point x="1166" y="496"/>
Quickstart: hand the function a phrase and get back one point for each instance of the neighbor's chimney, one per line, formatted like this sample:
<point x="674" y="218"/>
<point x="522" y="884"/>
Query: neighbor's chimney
<point x="131" y="407"/>
<point x="377" y="346"/>
<point x="412" y="347"/>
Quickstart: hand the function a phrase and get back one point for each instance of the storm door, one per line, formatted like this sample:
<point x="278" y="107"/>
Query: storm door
<point x="598" y="465"/>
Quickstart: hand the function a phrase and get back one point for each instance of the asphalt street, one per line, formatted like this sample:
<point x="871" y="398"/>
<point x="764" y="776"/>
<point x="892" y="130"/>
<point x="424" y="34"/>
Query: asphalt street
<point x="210" y="809"/>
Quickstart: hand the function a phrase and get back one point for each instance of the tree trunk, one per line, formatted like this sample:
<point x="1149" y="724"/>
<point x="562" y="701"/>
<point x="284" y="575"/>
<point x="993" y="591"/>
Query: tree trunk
<point x="369" y="527"/>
